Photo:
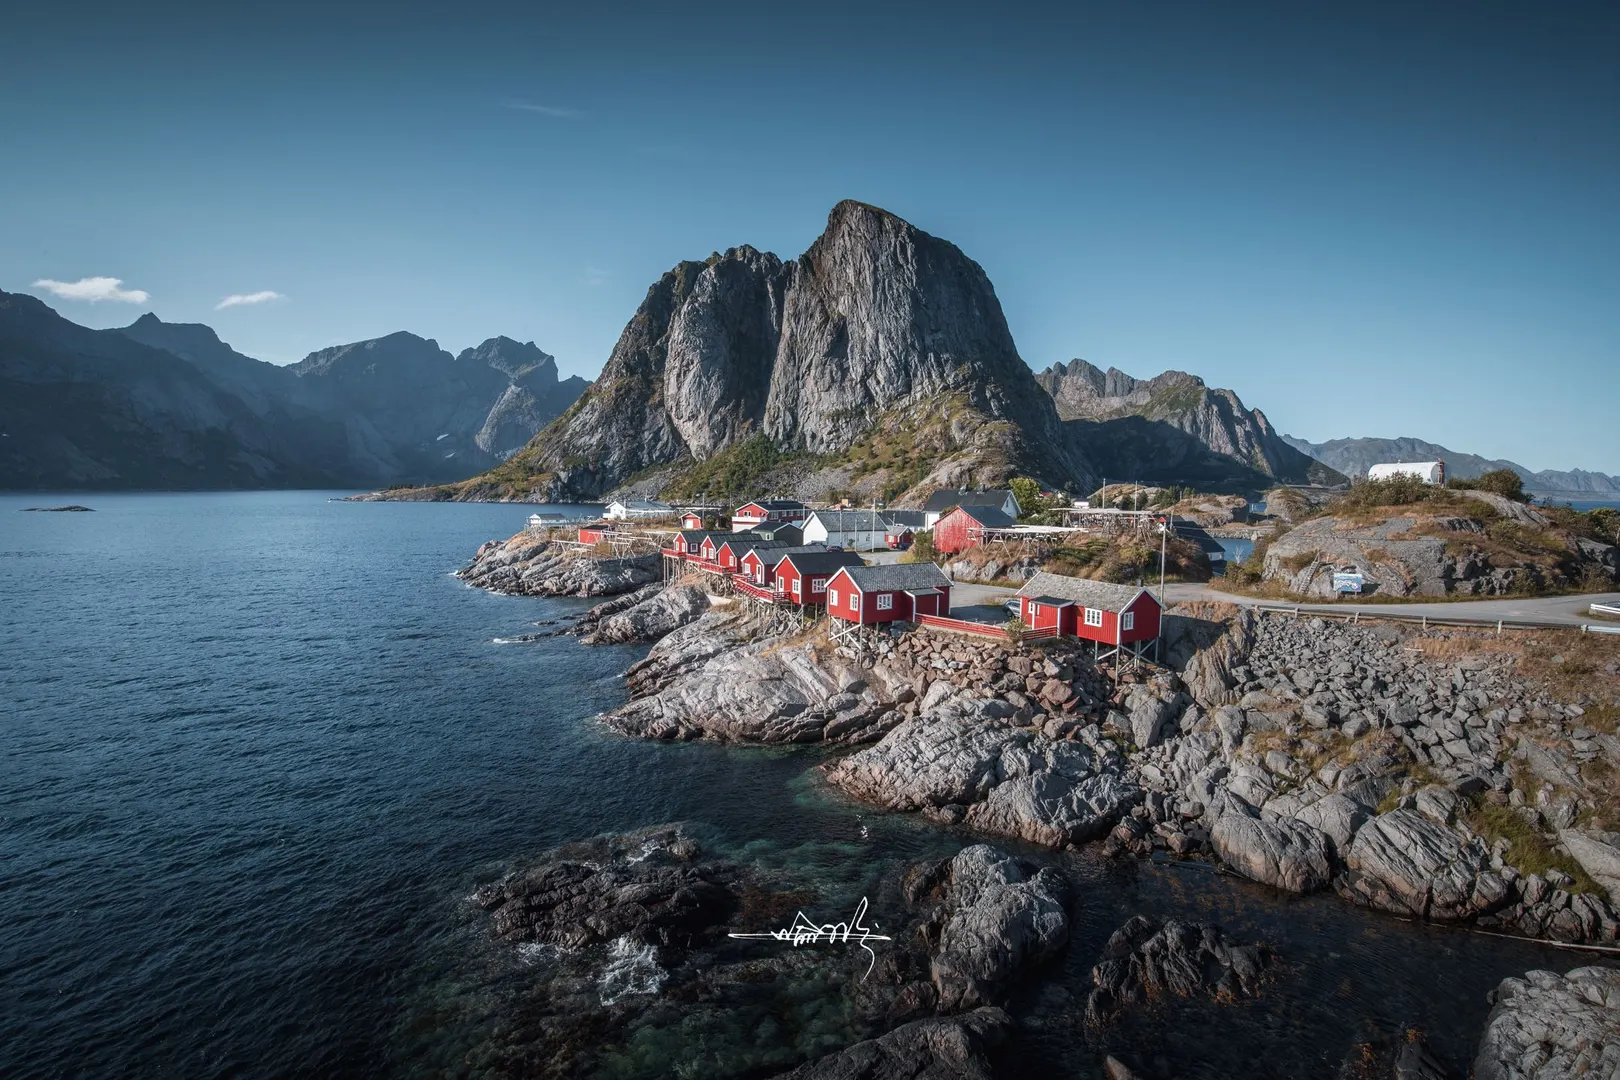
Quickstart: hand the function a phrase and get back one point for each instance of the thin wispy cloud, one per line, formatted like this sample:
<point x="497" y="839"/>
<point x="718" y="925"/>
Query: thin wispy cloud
<point x="93" y="289"/>
<point x="594" y="276"/>
<point x="244" y="299"/>
<point x="561" y="112"/>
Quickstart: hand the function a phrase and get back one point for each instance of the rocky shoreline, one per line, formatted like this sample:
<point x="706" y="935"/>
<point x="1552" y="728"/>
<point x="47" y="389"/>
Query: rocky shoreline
<point x="1424" y="775"/>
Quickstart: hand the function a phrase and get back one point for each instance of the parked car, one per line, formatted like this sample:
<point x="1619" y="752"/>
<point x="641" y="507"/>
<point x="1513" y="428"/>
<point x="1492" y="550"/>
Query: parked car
<point x="1013" y="607"/>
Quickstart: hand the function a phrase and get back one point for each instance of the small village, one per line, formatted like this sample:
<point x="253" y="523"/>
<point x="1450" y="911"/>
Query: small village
<point x="785" y="554"/>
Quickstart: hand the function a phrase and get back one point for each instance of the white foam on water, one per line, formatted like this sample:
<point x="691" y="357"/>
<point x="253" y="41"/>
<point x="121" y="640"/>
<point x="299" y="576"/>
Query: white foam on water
<point x="632" y="969"/>
<point x="535" y="952"/>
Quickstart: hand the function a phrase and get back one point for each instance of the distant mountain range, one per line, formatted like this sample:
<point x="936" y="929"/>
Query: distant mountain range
<point x="170" y="406"/>
<point x="1354" y="456"/>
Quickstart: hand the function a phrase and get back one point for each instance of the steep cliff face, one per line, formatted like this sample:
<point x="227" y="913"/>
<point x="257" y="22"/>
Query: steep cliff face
<point x="1176" y="426"/>
<point x="875" y="321"/>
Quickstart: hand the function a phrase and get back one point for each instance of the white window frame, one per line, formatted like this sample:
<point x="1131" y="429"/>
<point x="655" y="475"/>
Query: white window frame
<point x="1127" y="621"/>
<point x="832" y="597"/>
<point x="1094" y="616"/>
<point x="885" y="601"/>
<point x="818" y="584"/>
<point x="796" y="582"/>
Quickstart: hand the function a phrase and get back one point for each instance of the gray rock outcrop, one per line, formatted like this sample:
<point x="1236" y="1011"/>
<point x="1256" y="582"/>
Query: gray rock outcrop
<point x="1407" y="862"/>
<point x="1145" y="959"/>
<point x="1002" y="920"/>
<point x="528" y="565"/>
<point x="1547" y="1026"/>
<point x="1290" y="855"/>
<point x="957" y="764"/>
<point x="651" y="617"/>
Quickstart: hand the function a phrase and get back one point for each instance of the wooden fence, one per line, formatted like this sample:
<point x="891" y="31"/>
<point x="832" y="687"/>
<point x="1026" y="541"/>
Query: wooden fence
<point x="979" y="629"/>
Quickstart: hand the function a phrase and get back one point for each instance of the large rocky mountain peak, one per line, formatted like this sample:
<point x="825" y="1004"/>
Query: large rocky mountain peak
<point x="876" y="319"/>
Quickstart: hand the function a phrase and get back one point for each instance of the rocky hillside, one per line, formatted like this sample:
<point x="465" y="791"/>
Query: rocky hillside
<point x="1469" y="543"/>
<point x="824" y="357"/>
<point x="170" y="405"/>
<point x="1354" y="456"/>
<point x="1174" y="429"/>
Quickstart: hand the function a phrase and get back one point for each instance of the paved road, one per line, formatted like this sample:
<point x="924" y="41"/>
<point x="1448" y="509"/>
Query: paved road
<point x="1551" y="610"/>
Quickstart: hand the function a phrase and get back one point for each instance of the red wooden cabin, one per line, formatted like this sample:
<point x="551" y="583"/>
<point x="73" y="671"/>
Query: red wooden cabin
<point x="729" y="554"/>
<point x="964" y="527"/>
<point x="757" y="513"/>
<point x="691" y="520"/>
<point x="1093" y="610"/>
<point x="688" y="543"/>
<point x="802" y="576"/>
<point x="758" y="563"/>
<point x="880" y="594"/>
<point x="592" y="534"/>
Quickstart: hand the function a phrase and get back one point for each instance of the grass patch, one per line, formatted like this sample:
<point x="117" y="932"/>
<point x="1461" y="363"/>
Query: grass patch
<point x="1528" y="851"/>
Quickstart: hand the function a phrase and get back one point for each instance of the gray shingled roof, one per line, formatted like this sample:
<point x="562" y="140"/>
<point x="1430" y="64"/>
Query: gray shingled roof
<point x="851" y="520"/>
<point x="695" y="537"/>
<point x="819" y="561"/>
<point x="910" y="519"/>
<point x="742" y="543"/>
<point x="776" y="553"/>
<point x="1093" y="594"/>
<point x="897" y="576"/>
<point x="940" y="501"/>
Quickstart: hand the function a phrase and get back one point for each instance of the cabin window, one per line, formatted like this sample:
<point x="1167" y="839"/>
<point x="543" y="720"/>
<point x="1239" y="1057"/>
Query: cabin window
<point x="818" y="584"/>
<point x="795" y="586"/>
<point x="832" y="597"/>
<point x="1093" y="616"/>
<point x="885" y="601"/>
<point x="1127" y="621"/>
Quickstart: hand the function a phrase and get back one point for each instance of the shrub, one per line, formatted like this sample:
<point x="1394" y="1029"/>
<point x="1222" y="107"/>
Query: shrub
<point x="921" y="549"/>
<point x="1504" y="482"/>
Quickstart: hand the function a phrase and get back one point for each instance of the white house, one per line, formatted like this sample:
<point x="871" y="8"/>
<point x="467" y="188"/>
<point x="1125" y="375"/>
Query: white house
<point x="945" y="500"/>
<point x="637" y="508"/>
<point x="1430" y="472"/>
<point x="854" y="530"/>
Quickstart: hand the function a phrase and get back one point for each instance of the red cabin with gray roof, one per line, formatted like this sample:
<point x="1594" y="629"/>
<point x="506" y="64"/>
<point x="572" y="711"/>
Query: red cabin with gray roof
<point x="1094" y="610"/>
<point x="964" y="527"/>
<point x="880" y="594"/>
<point x="803" y="575"/>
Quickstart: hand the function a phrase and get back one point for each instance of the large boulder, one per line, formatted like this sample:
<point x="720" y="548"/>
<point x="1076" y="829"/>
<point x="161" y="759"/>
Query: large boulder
<point x="1599" y="855"/>
<point x="1287" y="854"/>
<point x="1551" y="1027"/>
<point x="1001" y="920"/>
<point x="653" y="617"/>
<point x="959" y="765"/>
<point x="1411" y="864"/>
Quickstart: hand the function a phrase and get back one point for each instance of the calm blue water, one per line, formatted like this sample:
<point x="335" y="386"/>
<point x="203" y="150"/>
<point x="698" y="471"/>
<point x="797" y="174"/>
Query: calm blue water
<point x="256" y="749"/>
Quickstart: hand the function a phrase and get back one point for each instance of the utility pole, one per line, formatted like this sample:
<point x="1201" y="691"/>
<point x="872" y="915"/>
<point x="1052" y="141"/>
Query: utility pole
<point x="1164" y="541"/>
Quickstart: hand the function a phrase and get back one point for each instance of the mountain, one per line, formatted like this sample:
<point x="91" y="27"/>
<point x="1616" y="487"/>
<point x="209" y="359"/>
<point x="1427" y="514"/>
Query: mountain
<point x="83" y="408"/>
<point x="1174" y="429"/>
<point x="169" y="405"/>
<point x="878" y="335"/>
<point x="1354" y="456"/>
<point x="533" y="398"/>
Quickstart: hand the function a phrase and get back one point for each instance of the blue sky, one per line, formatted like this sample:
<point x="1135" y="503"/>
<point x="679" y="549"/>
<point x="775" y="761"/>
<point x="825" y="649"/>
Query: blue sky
<point x="1375" y="222"/>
